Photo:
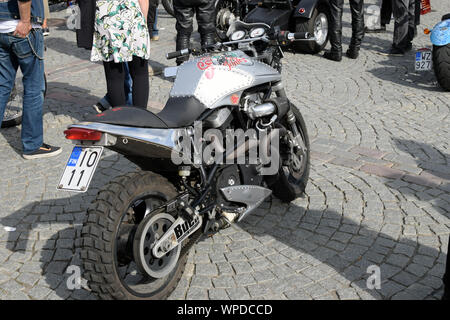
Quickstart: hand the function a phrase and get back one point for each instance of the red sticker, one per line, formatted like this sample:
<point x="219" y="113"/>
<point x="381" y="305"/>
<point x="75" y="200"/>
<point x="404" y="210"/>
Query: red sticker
<point x="234" y="99"/>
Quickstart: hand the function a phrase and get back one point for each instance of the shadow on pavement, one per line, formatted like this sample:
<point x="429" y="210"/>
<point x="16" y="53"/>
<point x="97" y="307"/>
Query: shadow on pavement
<point x="73" y="102"/>
<point x="325" y="242"/>
<point x="400" y="70"/>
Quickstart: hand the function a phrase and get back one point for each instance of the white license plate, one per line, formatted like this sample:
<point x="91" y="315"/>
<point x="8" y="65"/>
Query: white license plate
<point x="423" y="60"/>
<point x="80" y="168"/>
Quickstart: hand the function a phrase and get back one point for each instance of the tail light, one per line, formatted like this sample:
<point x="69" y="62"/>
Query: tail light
<point x="83" y="134"/>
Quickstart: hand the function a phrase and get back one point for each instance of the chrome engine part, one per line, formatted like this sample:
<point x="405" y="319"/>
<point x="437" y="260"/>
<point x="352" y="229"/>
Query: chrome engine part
<point x="256" y="111"/>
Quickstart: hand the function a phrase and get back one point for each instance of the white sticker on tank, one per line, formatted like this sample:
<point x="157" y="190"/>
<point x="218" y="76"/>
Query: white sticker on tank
<point x="219" y="81"/>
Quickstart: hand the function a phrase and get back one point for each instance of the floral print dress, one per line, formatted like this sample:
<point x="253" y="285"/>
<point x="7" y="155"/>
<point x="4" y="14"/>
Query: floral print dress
<point x="120" y="31"/>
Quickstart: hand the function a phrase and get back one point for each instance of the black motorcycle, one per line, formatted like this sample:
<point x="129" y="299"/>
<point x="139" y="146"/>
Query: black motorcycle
<point x="310" y="16"/>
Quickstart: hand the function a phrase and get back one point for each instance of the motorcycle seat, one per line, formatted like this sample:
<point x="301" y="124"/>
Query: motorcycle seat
<point x="130" y="117"/>
<point x="178" y="112"/>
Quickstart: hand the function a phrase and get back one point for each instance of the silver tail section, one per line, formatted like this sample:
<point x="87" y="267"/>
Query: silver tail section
<point x="160" y="141"/>
<point x="250" y="195"/>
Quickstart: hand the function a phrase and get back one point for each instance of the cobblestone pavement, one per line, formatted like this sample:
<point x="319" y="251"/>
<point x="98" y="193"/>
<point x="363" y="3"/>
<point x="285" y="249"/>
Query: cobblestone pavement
<point x="379" y="192"/>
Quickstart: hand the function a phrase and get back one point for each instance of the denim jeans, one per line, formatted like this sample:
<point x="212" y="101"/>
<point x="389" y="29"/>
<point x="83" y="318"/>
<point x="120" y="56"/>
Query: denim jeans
<point x="155" y="30"/>
<point x="26" y="53"/>
<point x="105" y="101"/>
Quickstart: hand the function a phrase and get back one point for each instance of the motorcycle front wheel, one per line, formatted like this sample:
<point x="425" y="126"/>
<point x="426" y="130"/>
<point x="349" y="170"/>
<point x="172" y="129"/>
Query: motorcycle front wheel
<point x="441" y="65"/>
<point x="292" y="178"/>
<point x="108" y="249"/>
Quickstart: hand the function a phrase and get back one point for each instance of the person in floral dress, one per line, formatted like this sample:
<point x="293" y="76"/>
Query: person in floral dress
<point x="121" y="36"/>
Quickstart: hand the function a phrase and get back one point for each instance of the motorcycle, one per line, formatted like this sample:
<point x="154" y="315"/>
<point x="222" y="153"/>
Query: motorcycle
<point x="310" y="16"/>
<point x="139" y="229"/>
<point x="297" y="16"/>
<point x="440" y="38"/>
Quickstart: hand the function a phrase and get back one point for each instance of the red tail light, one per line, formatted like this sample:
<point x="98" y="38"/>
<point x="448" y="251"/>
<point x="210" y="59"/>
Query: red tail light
<point x="82" y="134"/>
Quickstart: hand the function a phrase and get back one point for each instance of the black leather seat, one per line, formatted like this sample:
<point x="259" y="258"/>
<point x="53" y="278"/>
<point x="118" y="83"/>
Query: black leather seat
<point x="178" y="112"/>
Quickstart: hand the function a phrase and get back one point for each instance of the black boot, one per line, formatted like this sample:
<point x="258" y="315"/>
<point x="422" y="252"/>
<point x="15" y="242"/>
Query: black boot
<point x="352" y="52"/>
<point x="207" y="39"/>
<point x="357" y="11"/>
<point x="333" y="55"/>
<point x="183" y="42"/>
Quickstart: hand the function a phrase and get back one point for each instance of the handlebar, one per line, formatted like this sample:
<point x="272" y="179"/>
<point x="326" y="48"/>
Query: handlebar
<point x="281" y="37"/>
<point x="179" y="53"/>
<point x="288" y="36"/>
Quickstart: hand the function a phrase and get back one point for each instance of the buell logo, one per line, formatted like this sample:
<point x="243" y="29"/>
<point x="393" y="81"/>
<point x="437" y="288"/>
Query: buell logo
<point x="182" y="230"/>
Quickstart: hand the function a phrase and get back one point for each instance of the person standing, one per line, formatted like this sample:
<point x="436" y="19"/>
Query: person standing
<point x="357" y="11"/>
<point x="45" y="29"/>
<point x="404" y="27"/>
<point x="22" y="45"/>
<point x="121" y="35"/>
<point x="152" y="19"/>
<point x="184" y="13"/>
<point x="385" y="17"/>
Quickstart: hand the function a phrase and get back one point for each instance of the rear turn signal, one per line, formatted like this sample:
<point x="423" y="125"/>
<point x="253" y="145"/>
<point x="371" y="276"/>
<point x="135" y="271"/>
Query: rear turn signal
<point x="82" y="134"/>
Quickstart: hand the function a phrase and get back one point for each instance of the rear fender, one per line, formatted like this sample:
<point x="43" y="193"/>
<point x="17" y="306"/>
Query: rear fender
<point x="143" y="142"/>
<point x="305" y="8"/>
<point x="440" y="35"/>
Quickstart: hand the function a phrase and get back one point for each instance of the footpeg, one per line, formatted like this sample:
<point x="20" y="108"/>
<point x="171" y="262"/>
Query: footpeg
<point x="230" y="216"/>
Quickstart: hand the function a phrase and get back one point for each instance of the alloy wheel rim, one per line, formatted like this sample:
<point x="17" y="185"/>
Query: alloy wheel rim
<point x="321" y="28"/>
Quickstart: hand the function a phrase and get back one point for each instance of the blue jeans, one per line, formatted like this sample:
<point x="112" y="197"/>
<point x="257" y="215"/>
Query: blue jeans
<point x="155" y="29"/>
<point x="105" y="101"/>
<point x="26" y="53"/>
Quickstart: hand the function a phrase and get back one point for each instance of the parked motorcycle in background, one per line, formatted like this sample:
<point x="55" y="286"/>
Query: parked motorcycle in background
<point x="310" y="16"/>
<point x="227" y="138"/>
<point x="440" y="38"/>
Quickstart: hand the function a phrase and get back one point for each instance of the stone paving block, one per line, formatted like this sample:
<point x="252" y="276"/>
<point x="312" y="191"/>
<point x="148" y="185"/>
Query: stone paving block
<point x="239" y="293"/>
<point x="218" y="294"/>
<point x="206" y="269"/>
<point x="347" y="294"/>
<point x="241" y="267"/>
<point x="200" y="281"/>
<point x="224" y="282"/>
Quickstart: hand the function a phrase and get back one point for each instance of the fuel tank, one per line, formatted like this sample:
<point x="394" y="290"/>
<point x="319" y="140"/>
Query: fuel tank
<point x="218" y="79"/>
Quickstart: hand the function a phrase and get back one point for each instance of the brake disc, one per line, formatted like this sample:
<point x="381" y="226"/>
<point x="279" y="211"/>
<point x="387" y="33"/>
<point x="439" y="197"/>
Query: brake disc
<point x="148" y="232"/>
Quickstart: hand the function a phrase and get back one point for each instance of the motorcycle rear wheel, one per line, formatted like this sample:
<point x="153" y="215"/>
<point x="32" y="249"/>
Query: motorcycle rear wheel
<point x="108" y="234"/>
